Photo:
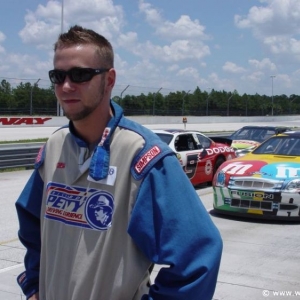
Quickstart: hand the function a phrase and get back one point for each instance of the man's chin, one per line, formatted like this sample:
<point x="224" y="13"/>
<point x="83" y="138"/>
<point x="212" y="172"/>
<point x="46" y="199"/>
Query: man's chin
<point x="77" y="116"/>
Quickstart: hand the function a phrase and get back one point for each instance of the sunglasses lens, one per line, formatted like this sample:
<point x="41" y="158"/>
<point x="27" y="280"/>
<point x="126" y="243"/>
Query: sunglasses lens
<point x="57" y="76"/>
<point x="81" y="74"/>
<point x="76" y="75"/>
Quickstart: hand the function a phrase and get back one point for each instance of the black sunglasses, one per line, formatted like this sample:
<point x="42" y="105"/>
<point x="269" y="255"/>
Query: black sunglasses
<point x="76" y="75"/>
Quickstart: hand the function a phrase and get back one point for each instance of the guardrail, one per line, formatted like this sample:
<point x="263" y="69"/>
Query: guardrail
<point x="18" y="155"/>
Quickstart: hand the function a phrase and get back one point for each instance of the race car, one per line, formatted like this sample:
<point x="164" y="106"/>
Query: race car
<point x="264" y="183"/>
<point x="247" y="138"/>
<point x="198" y="154"/>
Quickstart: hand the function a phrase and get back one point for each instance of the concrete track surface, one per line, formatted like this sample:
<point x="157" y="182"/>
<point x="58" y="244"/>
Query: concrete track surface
<point x="259" y="258"/>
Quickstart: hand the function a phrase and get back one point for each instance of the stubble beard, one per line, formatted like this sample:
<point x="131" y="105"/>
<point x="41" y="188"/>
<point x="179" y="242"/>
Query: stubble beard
<point x="87" y="110"/>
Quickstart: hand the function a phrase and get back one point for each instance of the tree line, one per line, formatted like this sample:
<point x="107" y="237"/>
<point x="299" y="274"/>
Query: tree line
<point x="30" y="99"/>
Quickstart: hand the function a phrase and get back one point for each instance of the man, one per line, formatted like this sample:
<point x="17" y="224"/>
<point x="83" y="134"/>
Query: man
<point x="156" y="216"/>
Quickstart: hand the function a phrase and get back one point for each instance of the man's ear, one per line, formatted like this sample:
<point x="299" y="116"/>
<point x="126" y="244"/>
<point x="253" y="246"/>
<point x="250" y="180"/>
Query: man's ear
<point x="111" y="78"/>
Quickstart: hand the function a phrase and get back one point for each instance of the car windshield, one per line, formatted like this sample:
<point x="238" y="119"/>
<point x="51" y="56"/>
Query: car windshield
<point x="280" y="145"/>
<point x="253" y="134"/>
<point x="165" y="137"/>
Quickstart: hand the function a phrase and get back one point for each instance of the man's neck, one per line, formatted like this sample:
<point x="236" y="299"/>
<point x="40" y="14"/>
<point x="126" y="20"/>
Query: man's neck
<point x="91" y="128"/>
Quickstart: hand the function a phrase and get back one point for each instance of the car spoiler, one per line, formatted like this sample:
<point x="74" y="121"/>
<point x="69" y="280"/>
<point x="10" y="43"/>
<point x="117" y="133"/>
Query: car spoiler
<point x="221" y="139"/>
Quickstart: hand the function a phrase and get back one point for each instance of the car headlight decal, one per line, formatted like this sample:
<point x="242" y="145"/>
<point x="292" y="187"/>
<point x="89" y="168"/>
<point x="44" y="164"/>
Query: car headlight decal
<point x="293" y="185"/>
<point x="220" y="181"/>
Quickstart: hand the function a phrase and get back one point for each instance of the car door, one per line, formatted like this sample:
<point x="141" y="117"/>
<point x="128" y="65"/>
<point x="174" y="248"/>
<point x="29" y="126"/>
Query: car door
<point x="188" y="152"/>
<point x="206" y="158"/>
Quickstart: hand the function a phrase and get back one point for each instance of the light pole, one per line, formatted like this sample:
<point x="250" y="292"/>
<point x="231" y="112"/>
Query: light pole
<point x="290" y="102"/>
<point x="31" y="95"/>
<point x="272" y="76"/>
<point x="154" y="96"/>
<point x="228" y="104"/>
<point x="62" y="17"/>
<point x="122" y="94"/>
<point x="183" y="101"/>
<point x="59" y="110"/>
<point x="207" y="102"/>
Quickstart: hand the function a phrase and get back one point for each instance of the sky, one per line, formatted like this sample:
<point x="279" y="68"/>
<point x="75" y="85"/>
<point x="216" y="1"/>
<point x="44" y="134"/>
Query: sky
<point x="247" y="46"/>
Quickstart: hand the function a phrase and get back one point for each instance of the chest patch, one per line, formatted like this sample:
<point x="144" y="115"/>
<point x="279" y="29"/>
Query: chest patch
<point x="81" y="207"/>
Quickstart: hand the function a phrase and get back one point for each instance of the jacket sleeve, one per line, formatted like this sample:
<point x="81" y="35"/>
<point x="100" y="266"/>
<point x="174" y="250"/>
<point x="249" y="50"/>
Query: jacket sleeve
<point x="171" y="226"/>
<point x="28" y="208"/>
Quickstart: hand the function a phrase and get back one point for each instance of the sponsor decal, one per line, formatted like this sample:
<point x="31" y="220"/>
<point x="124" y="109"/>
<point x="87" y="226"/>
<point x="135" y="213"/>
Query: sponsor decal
<point x="208" y="167"/>
<point x="146" y="159"/>
<point x="242" y="167"/>
<point x="245" y="142"/>
<point x="24" y="121"/>
<point x="282" y="170"/>
<point x="259" y="196"/>
<point x="217" y="150"/>
<point x="221" y="179"/>
<point x="80" y="207"/>
<point x="104" y="136"/>
<point x="22" y="277"/>
<point x="39" y="155"/>
<point x="263" y="169"/>
<point x="60" y="165"/>
<point x="109" y="180"/>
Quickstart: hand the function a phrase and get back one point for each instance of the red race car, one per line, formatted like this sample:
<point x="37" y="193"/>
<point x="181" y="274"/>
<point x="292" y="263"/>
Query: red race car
<point x="199" y="155"/>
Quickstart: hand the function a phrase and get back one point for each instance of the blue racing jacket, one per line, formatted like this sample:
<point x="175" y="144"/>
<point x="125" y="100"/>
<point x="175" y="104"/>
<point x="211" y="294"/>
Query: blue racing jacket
<point x="93" y="221"/>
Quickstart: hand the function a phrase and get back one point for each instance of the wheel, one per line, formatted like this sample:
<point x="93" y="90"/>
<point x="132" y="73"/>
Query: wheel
<point x="218" y="163"/>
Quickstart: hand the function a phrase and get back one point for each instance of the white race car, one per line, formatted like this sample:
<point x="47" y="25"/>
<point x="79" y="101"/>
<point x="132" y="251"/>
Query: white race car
<point x="199" y="155"/>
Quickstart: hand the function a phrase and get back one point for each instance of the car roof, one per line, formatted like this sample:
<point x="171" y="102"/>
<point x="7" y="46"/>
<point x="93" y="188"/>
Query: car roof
<point x="291" y="133"/>
<point x="264" y="126"/>
<point x="171" y="130"/>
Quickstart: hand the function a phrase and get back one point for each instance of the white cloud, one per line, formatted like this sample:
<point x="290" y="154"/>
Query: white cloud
<point x="277" y="25"/>
<point x="2" y="37"/>
<point x="183" y="28"/>
<point x="264" y="64"/>
<point x="44" y="24"/>
<point x="186" y="37"/>
<point x="233" y="68"/>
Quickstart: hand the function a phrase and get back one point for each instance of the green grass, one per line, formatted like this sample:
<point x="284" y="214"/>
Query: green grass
<point x="15" y="169"/>
<point x="25" y="141"/>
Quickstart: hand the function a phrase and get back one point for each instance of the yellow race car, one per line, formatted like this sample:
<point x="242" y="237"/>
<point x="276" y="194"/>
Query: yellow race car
<point x="264" y="183"/>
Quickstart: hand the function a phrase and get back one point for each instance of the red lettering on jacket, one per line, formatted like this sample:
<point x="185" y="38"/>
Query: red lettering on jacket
<point x="146" y="158"/>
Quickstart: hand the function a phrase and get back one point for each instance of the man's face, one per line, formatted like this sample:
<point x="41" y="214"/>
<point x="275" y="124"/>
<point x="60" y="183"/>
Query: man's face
<point x="80" y="100"/>
<point x="100" y="214"/>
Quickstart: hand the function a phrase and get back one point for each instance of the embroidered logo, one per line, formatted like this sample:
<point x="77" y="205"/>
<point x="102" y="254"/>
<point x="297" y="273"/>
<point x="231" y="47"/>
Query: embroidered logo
<point x="146" y="159"/>
<point x="60" y="165"/>
<point x="104" y="136"/>
<point x="22" y="277"/>
<point x="78" y="206"/>
<point x="99" y="210"/>
<point x="39" y="155"/>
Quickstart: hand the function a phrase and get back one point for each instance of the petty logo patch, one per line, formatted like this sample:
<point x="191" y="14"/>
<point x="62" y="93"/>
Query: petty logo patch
<point x="81" y="207"/>
<point x="99" y="210"/>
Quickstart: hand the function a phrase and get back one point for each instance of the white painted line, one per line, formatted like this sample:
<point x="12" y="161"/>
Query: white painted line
<point x="11" y="268"/>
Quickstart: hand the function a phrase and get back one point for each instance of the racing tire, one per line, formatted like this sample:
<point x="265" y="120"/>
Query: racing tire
<point x="218" y="163"/>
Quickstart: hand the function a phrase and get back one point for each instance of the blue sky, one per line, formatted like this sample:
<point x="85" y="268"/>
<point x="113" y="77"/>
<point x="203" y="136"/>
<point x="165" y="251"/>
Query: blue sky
<point x="172" y="45"/>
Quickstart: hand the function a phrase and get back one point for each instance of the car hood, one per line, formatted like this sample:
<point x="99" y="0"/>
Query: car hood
<point x="263" y="166"/>
<point x="242" y="144"/>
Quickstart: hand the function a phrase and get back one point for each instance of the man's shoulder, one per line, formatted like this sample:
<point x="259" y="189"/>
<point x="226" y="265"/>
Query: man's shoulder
<point x="139" y="129"/>
<point x="153" y="148"/>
